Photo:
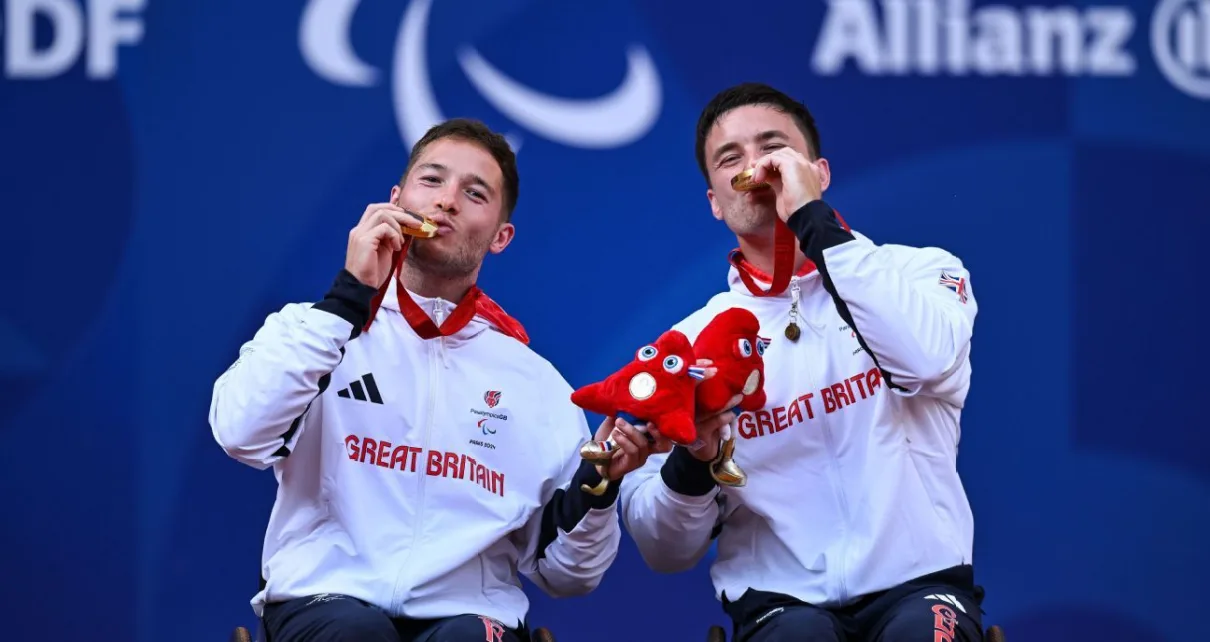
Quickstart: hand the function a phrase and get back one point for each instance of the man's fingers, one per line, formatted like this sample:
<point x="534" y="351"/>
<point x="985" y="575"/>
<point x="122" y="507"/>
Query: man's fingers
<point x="765" y="168"/>
<point x="398" y="217"/>
<point x="372" y="209"/>
<point x="768" y="168"/>
<point x="661" y="443"/>
<point x="790" y="154"/>
<point x="605" y="428"/>
<point x="709" y="425"/>
<point x="731" y="404"/>
<point x="627" y="441"/>
<point x="636" y="436"/>
<point x="389" y="235"/>
<point x="380" y="212"/>
<point x="409" y="219"/>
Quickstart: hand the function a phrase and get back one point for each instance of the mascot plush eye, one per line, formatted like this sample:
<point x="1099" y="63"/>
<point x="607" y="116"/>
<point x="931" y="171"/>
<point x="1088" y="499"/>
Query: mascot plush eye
<point x="673" y="364"/>
<point x="760" y="347"/>
<point x="647" y="353"/>
<point x="744" y="347"/>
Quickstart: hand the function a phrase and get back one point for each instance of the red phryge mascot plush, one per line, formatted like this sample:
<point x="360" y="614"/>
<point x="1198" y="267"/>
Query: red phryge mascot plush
<point x="656" y="387"/>
<point x="731" y="344"/>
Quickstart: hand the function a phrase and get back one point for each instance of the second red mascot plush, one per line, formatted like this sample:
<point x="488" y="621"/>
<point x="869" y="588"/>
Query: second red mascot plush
<point x="731" y="344"/>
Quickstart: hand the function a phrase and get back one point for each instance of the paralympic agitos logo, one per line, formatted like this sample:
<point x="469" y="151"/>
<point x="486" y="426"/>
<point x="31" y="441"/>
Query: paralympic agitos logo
<point x="614" y="119"/>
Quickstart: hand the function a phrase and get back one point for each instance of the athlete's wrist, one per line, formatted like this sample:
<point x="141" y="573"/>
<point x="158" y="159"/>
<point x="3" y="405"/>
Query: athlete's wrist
<point x="348" y="299"/>
<point x="684" y="473"/>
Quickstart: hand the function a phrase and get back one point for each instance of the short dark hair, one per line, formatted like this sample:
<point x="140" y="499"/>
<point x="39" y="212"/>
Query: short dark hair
<point x="474" y="131"/>
<point x="754" y="93"/>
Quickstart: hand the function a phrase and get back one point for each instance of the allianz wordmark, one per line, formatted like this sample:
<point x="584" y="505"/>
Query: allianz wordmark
<point x="956" y="38"/>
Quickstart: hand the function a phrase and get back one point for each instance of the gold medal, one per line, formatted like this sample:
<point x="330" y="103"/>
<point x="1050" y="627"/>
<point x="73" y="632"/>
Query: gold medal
<point x="792" y="332"/>
<point x="742" y="182"/>
<point x="428" y="229"/>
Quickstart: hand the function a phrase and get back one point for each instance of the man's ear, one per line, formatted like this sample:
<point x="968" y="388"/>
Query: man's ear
<point x="504" y="236"/>
<point x="714" y="208"/>
<point x="825" y="173"/>
<point x="395" y="192"/>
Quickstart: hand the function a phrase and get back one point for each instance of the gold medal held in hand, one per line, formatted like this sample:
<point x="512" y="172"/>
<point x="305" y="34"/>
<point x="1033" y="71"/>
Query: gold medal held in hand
<point x="427" y="230"/>
<point x="742" y="182"/>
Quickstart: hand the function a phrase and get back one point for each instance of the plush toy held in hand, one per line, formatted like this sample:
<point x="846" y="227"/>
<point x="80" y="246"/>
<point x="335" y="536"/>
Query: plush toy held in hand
<point x="656" y="387"/>
<point x="731" y="344"/>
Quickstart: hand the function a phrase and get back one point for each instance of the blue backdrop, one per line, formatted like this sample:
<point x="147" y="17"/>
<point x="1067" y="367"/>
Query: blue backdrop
<point x="174" y="171"/>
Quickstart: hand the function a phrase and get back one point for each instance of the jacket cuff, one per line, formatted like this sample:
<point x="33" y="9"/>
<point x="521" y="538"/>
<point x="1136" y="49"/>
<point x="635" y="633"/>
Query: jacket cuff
<point x="685" y="474"/>
<point x="817" y="228"/>
<point x="350" y="300"/>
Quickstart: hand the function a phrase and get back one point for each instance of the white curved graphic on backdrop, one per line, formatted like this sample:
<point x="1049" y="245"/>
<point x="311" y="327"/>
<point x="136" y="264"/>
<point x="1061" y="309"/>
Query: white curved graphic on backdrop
<point x="323" y="38"/>
<point x="618" y="118"/>
<point x="415" y="105"/>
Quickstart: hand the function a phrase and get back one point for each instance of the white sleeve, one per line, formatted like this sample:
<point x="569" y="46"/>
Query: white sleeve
<point x="669" y="507"/>
<point x="916" y="317"/>
<point x="258" y="405"/>
<point x="569" y="544"/>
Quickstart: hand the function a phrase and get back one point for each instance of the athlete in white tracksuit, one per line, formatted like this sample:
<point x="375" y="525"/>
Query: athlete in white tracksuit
<point x="425" y="461"/>
<point x="853" y="524"/>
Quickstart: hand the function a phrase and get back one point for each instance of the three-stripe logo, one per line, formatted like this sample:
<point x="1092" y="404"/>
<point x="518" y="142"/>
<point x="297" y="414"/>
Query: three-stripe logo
<point x="948" y="599"/>
<point x="361" y="388"/>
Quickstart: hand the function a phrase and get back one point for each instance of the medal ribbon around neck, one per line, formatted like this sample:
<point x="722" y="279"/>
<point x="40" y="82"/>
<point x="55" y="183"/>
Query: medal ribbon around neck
<point x="785" y="244"/>
<point x="416" y="317"/>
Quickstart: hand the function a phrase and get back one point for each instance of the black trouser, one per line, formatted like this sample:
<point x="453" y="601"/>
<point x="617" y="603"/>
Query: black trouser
<point x="939" y="607"/>
<point x="339" y="618"/>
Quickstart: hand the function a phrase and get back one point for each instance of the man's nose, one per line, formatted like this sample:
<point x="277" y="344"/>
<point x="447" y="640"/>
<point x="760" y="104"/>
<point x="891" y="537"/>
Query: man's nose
<point x="751" y="155"/>
<point x="446" y="201"/>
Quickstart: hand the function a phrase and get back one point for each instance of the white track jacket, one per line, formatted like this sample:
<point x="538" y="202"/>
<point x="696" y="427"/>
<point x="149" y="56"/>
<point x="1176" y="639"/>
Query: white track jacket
<point x="852" y="483"/>
<point x="416" y="475"/>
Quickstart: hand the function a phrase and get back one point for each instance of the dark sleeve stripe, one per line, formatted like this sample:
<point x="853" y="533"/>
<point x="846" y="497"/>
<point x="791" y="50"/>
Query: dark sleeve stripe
<point x="350" y="300"/>
<point x="567" y="507"/>
<point x="685" y="474"/>
<point x="324" y="381"/>
<point x="817" y="229"/>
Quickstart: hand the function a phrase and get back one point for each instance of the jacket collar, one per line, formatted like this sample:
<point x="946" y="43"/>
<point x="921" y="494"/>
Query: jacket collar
<point x="488" y="313"/>
<point x="762" y="278"/>
<point x="758" y="276"/>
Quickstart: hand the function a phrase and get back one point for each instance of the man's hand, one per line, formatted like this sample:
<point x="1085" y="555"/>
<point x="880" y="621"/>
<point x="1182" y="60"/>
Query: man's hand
<point x="795" y="180"/>
<point x="633" y="446"/>
<point x="374" y="241"/>
<point x="708" y="427"/>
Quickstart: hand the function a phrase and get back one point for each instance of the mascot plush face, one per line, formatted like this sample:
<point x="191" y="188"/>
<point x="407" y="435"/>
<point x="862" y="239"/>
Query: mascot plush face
<point x="657" y="386"/>
<point x="731" y="341"/>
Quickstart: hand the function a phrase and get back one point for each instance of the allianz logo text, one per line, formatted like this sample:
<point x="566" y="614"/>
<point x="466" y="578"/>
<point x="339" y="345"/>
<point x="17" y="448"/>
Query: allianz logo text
<point x="955" y="38"/>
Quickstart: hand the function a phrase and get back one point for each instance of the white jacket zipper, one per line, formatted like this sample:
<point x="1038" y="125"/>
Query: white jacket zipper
<point x="418" y="523"/>
<point x="833" y="458"/>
